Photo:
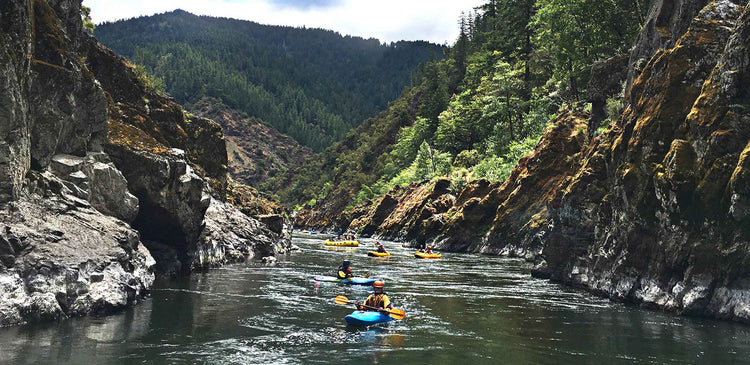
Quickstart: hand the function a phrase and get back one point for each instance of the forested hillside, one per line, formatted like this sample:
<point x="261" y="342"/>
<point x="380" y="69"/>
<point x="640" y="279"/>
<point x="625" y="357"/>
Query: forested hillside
<point x="474" y="114"/>
<point x="313" y="85"/>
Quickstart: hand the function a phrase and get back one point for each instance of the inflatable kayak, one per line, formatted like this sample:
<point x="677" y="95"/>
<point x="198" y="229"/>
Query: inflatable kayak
<point x="378" y="254"/>
<point x="352" y="281"/>
<point x="422" y="255"/>
<point x="367" y="318"/>
<point x="341" y="243"/>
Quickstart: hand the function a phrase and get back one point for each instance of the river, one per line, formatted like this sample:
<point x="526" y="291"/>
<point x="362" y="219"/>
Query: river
<point x="462" y="308"/>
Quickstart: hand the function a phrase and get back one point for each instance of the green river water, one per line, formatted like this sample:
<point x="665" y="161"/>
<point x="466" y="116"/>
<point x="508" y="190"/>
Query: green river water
<point x="468" y="309"/>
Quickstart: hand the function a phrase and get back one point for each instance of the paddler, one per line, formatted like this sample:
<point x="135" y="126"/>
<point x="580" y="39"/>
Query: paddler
<point x="345" y="271"/>
<point x="378" y="299"/>
<point x="381" y="248"/>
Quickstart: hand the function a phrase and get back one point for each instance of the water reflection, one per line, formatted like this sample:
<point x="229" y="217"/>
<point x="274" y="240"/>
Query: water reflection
<point x="74" y="341"/>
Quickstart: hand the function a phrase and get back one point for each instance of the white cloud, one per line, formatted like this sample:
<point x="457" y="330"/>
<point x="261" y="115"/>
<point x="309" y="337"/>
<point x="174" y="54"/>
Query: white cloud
<point x="387" y="20"/>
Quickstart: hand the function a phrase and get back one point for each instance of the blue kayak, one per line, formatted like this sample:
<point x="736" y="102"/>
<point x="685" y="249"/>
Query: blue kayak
<point x="367" y="318"/>
<point x="352" y="281"/>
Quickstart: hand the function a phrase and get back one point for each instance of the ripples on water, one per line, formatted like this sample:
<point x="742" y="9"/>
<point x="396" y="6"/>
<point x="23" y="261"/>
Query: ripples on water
<point x="460" y="308"/>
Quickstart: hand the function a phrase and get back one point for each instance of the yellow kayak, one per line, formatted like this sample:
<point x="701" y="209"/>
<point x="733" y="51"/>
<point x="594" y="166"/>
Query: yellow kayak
<point x="378" y="254"/>
<point x="341" y="243"/>
<point x="423" y="255"/>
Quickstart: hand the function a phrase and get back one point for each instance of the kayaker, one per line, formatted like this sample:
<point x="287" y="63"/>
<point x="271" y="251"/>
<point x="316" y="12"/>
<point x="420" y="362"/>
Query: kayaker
<point x="378" y="299"/>
<point x="381" y="248"/>
<point x="345" y="271"/>
<point x="428" y="250"/>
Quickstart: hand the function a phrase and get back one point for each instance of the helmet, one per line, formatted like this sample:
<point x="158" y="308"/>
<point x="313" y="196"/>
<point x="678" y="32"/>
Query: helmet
<point x="378" y="284"/>
<point x="346" y="263"/>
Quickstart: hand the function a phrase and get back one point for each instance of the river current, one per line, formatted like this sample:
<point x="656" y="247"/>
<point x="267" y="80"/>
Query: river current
<point x="463" y="308"/>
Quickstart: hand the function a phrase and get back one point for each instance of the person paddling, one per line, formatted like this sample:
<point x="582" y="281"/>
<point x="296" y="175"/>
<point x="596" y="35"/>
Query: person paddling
<point x="378" y="299"/>
<point x="344" y="271"/>
<point x="381" y="248"/>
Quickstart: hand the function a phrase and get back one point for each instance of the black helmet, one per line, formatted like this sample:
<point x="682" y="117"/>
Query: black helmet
<point x="346" y="263"/>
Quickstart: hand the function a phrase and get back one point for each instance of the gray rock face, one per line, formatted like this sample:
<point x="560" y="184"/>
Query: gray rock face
<point x="172" y="197"/>
<point x="231" y="236"/>
<point x="67" y="105"/>
<point x="15" y="141"/>
<point x="60" y="258"/>
<point x="667" y="22"/>
<point x="606" y="79"/>
<point x="99" y="182"/>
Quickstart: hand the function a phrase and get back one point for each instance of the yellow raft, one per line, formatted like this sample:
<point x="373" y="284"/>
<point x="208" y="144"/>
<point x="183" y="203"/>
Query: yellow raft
<point x="423" y="255"/>
<point x="378" y="254"/>
<point x="341" y="243"/>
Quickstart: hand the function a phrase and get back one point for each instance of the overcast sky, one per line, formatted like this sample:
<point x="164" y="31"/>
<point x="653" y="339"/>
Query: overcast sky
<point x="387" y="20"/>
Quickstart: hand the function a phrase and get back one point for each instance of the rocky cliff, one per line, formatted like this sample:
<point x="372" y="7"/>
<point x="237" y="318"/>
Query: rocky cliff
<point x="256" y="151"/>
<point x="102" y="180"/>
<point x="501" y="218"/>
<point x="657" y="214"/>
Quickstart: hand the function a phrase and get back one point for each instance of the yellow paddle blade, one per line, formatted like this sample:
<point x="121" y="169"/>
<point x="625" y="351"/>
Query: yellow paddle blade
<point x="397" y="313"/>
<point x="342" y="300"/>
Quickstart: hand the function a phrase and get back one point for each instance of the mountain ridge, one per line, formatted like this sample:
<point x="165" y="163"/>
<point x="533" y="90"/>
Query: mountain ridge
<point x="312" y="84"/>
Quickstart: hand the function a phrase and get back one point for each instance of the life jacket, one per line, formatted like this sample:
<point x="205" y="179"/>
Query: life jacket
<point x="344" y="272"/>
<point x="378" y="301"/>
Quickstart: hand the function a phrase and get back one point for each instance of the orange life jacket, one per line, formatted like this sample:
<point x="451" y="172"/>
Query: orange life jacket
<point x="378" y="301"/>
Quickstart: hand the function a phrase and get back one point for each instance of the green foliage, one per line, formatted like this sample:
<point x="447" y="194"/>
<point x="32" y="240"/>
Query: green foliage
<point x="515" y="65"/>
<point x="492" y="108"/>
<point x="313" y="85"/>
<point x="431" y="163"/>
<point x="614" y="107"/>
<point x="575" y="33"/>
<point x="86" y="18"/>
<point x="466" y="159"/>
<point x="499" y="168"/>
<point x="146" y="78"/>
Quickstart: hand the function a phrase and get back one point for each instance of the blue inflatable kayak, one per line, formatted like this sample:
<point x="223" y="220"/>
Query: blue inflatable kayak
<point x="367" y="318"/>
<point x="352" y="281"/>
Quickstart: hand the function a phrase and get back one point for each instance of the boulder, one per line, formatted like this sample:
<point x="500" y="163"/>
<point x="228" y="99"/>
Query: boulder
<point x="67" y="259"/>
<point x="99" y="182"/>
<point x="231" y="236"/>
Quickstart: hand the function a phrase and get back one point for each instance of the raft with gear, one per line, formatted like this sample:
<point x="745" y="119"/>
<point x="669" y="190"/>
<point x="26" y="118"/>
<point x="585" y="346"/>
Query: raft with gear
<point x="378" y="254"/>
<point x="350" y="281"/>
<point x="341" y="243"/>
<point x="367" y="318"/>
<point x="422" y="255"/>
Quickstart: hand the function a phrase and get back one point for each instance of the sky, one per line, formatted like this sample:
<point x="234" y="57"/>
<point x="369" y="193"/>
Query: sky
<point x="387" y="20"/>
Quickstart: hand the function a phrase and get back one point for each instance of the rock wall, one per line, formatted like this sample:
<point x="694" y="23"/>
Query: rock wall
<point x="656" y="214"/>
<point x="507" y="218"/>
<point x="92" y="162"/>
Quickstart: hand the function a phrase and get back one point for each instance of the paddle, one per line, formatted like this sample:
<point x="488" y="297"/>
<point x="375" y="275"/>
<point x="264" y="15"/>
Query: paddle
<point x="396" y="313"/>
